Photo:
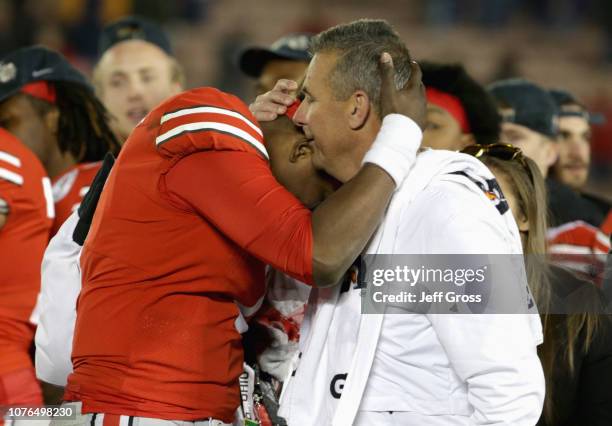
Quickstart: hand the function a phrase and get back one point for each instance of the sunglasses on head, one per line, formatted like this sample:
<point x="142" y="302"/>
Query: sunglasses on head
<point x="502" y="151"/>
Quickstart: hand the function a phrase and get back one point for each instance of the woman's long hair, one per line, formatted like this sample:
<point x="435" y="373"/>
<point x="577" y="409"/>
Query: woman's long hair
<point x="559" y="330"/>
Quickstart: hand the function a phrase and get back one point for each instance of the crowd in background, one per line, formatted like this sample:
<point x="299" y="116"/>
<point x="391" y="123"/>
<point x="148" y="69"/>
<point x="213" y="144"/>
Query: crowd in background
<point x="564" y="44"/>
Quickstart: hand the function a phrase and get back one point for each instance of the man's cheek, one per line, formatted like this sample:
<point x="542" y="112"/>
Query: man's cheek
<point x="113" y="93"/>
<point x="162" y="97"/>
<point x="587" y="155"/>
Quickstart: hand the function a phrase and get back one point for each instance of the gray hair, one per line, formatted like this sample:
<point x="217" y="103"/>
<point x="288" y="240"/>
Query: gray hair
<point x="359" y="45"/>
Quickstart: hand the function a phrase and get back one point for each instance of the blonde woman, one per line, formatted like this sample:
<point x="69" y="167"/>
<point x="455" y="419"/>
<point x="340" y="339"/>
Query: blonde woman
<point x="577" y="351"/>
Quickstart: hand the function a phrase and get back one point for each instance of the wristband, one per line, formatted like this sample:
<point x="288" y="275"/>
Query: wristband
<point x="395" y="147"/>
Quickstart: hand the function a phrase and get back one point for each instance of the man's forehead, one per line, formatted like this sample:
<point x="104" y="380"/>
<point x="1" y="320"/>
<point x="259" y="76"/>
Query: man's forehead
<point x="132" y="67"/>
<point x="319" y="68"/>
<point x="133" y="54"/>
<point x="517" y="128"/>
<point x="572" y="122"/>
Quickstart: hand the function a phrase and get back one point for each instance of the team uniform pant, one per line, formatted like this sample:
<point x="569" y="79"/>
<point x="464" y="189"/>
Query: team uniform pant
<point x="101" y="419"/>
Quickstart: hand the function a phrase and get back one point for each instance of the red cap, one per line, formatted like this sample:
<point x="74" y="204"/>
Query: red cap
<point x="41" y="90"/>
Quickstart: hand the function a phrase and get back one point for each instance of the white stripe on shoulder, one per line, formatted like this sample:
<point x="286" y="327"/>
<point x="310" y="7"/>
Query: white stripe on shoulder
<point x="11" y="176"/>
<point x="584" y="267"/>
<point x="11" y="159"/>
<point x="569" y="249"/>
<point x="210" y="125"/>
<point x="602" y="238"/>
<point x="210" y="110"/>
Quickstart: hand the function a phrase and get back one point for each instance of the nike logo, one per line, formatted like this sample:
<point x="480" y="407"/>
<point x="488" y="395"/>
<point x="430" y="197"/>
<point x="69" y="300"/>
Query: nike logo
<point x="43" y="71"/>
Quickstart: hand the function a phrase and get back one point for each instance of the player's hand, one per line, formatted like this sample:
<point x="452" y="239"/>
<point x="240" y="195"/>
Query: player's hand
<point x="409" y="100"/>
<point x="275" y="102"/>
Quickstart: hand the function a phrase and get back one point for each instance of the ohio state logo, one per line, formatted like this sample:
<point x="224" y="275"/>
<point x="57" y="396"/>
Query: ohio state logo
<point x="7" y="72"/>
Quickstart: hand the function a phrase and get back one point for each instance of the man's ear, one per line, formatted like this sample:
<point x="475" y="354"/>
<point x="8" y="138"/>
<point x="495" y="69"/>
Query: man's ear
<point x="302" y="149"/>
<point x="51" y="120"/>
<point x="359" y="109"/>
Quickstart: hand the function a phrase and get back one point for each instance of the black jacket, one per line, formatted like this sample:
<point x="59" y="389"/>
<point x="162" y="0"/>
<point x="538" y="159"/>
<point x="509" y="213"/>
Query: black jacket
<point x="584" y="398"/>
<point x="566" y="205"/>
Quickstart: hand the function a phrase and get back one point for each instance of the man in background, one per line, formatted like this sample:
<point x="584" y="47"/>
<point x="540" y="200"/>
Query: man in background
<point x="531" y="122"/>
<point x="49" y="105"/>
<point x="136" y="71"/>
<point x="529" y="119"/>
<point x="574" y="141"/>
<point x="460" y="112"/>
<point x="287" y="58"/>
<point x="26" y="215"/>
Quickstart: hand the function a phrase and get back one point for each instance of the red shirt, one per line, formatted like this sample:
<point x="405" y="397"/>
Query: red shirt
<point x="188" y="218"/>
<point x="25" y="197"/>
<point x="69" y="189"/>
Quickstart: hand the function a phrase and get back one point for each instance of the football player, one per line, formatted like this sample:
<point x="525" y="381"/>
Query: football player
<point x="52" y="109"/>
<point x="26" y="215"/>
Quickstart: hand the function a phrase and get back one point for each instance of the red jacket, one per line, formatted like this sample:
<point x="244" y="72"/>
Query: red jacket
<point x="187" y="220"/>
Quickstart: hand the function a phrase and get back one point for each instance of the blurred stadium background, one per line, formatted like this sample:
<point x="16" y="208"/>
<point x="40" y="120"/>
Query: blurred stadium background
<point x="556" y="43"/>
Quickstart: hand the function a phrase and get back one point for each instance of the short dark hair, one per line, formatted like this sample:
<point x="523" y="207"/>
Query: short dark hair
<point x="359" y="45"/>
<point x="479" y="106"/>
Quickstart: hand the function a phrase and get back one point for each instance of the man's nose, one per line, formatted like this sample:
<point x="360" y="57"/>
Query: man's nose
<point x="135" y="89"/>
<point x="299" y="118"/>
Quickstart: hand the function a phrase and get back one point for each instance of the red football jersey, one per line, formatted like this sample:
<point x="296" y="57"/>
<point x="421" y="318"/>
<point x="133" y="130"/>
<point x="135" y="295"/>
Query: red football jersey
<point x="187" y="220"/>
<point x="69" y="189"/>
<point x="25" y="199"/>
<point x="580" y="247"/>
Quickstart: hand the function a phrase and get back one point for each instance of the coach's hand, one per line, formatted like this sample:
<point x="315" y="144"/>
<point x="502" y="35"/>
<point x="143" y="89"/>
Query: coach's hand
<point x="409" y="100"/>
<point x="275" y="102"/>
